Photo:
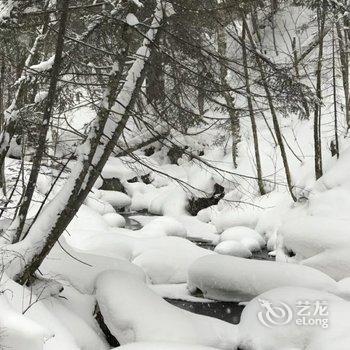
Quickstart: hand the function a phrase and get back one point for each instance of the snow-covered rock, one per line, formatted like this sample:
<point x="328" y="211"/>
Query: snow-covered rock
<point x="164" y="259"/>
<point x="274" y="321"/>
<point x="114" y="220"/>
<point x="238" y="233"/>
<point x="229" y="278"/>
<point x="117" y="199"/>
<point x="233" y="248"/>
<point x="134" y="313"/>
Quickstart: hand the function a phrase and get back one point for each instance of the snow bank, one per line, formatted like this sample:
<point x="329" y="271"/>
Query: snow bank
<point x="134" y="313"/>
<point x="17" y="331"/>
<point x="229" y="278"/>
<point x="64" y="328"/>
<point x="334" y="262"/>
<point x="307" y="236"/>
<point x="286" y="333"/>
<point x="80" y="268"/>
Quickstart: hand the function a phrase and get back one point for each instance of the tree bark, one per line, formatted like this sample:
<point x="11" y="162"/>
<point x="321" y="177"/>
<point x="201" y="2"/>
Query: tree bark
<point x="318" y="110"/>
<point x="272" y="110"/>
<point x="110" y="122"/>
<point x="251" y="114"/>
<point x="45" y="124"/>
<point x="234" y="119"/>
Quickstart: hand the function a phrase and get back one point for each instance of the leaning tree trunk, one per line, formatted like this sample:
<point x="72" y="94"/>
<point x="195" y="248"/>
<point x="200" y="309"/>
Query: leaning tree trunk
<point x="110" y="122"/>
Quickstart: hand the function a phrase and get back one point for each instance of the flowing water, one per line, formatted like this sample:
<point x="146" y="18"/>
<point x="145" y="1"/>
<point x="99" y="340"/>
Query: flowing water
<point x="226" y="311"/>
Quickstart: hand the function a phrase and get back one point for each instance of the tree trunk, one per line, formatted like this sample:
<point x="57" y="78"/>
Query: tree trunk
<point x="251" y="114"/>
<point x="318" y="110"/>
<point x="47" y="114"/>
<point x="230" y="103"/>
<point x="110" y="122"/>
<point x="272" y="109"/>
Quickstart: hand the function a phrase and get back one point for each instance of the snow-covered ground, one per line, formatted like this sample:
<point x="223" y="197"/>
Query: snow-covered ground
<point x="100" y="263"/>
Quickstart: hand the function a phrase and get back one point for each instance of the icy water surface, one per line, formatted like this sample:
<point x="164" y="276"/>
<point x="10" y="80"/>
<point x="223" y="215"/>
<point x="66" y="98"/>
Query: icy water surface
<point x="226" y="311"/>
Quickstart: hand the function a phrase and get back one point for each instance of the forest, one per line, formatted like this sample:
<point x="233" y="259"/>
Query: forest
<point x="174" y="174"/>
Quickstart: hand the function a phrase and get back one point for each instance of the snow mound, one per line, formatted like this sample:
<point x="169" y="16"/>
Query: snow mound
<point x="134" y="313"/>
<point x="291" y="331"/>
<point x="310" y="235"/>
<point x="116" y="199"/>
<point x="80" y="268"/>
<point x="162" y="346"/>
<point x="114" y="220"/>
<point x="246" y="236"/>
<point x="18" y="331"/>
<point x="164" y="226"/>
<point x="334" y="262"/>
<point x="229" y="278"/>
<point x="233" y="248"/>
<point x="163" y="259"/>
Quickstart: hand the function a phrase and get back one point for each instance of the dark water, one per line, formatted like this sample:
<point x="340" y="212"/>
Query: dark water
<point x="226" y="311"/>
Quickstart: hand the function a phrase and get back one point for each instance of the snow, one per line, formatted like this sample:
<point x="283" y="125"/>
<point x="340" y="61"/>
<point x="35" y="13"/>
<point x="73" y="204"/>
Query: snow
<point x="114" y="219"/>
<point x="6" y="9"/>
<point x="49" y="319"/>
<point x="134" y="313"/>
<point x="18" y="331"/>
<point x="131" y="20"/>
<point x="255" y="335"/>
<point x="333" y="262"/>
<point x="233" y="248"/>
<point x="80" y="268"/>
<point x="227" y="278"/>
<point x="177" y="291"/>
<point x="117" y="199"/>
<point x="247" y="237"/>
<point x="162" y="346"/>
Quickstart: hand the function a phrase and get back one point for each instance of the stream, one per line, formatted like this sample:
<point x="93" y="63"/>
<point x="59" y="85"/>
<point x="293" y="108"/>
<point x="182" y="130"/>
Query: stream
<point x="226" y="311"/>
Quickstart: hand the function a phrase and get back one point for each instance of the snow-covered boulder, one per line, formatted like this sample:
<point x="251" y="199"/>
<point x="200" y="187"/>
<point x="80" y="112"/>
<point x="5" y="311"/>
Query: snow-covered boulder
<point x="233" y="248"/>
<point x="229" y="278"/>
<point x="134" y="313"/>
<point x="163" y="259"/>
<point x="116" y="199"/>
<point x="163" y="226"/>
<point x="248" y="237"/>
<point x="114" y="220"/>
<point x="275" y="321"/>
